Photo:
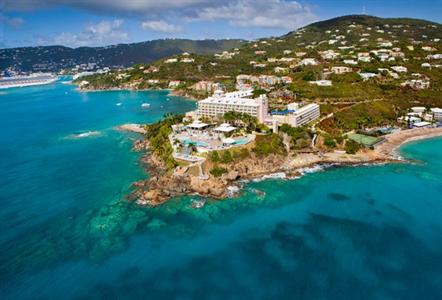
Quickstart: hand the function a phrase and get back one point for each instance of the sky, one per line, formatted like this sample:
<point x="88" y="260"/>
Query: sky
<point x="76" y="23"/>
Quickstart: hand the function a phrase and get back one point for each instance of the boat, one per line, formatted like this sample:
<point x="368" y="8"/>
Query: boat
<point x="119" y="104"/>
<point x="27" y="80"/>
<point x="145" y="105"/>
<point x="197" y="203"/>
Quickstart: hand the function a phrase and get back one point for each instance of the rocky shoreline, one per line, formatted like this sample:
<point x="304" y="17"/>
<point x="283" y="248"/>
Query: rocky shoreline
<point x="163" y="184"/>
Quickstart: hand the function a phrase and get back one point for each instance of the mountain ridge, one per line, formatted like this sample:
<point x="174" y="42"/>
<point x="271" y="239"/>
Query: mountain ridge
<point x="58" y="57"/>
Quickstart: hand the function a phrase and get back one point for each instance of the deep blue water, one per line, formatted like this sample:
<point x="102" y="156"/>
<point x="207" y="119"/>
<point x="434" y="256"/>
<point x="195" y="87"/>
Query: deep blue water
<point x="370" y="232"/>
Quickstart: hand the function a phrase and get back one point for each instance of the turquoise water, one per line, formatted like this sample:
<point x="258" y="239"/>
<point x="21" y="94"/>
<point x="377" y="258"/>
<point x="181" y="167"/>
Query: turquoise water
<point x="371" y="232"/>
<point x="196" y="143"/>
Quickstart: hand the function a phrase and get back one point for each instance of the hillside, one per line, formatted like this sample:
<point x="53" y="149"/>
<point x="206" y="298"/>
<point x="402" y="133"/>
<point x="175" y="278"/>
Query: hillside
<point x="56" y="58"/>
<point x="375" y="69"/>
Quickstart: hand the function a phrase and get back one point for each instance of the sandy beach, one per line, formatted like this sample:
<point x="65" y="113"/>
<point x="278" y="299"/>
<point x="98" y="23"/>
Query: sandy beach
<point x="394" y="140"/>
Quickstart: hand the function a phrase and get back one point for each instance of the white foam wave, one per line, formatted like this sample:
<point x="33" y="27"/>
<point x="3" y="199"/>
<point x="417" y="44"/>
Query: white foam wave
<point x="85" y="134"/>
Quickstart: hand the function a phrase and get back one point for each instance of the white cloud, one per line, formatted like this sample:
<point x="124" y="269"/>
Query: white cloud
<point x="99" y="34"/>
<point x="11" y="21"/>
<point x="260" y="13"/>
<point x="130" y="6"/>
<point x="287" y="14"/>
<point x="160" y="26"/>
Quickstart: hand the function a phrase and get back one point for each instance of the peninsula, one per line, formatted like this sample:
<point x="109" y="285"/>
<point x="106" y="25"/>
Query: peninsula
<point x="347" y="90"/>
<point x="188" y="156"/>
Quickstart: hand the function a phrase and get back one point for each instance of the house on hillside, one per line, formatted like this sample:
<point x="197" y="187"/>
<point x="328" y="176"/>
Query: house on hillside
<point x="399" y="69"/>
<point x="187" y="60"/>
<point x="350" y="62"/>
<point x="174" y="83"/>
<point x="367" y="75"/>
<point x="171" y="60"/>
<point x="281" y="70"/>
<point x="329" y="54"/>
<point x="308" y="61"/>
<point x="418" y="84"/>
<point x="341" y="70"/>
<point x="321" y="82"/>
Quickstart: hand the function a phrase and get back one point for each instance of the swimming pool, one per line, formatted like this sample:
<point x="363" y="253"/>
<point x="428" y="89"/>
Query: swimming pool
<point x="196" y="143"/>
<point x="242" y="141"/>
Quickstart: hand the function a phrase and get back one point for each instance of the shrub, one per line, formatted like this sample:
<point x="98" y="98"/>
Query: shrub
<point x="218" y="171"/>
<point x="329" y="142"/>
<point x="351" y="147"/>
<point x="214" y="156"/>
<point x="241" y="153"/>
<point x="268" y="144"/>
<point x="226" y="157"/>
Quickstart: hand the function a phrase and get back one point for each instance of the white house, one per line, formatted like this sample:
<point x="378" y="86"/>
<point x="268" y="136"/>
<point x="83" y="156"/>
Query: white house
<point x="341" y="70"/>
<point x="367" y="76"/>
<point x="308" y="61"/>
<point x="171" y="60"/>
<point x="350" y="62"/>
<point x="399" y="69"/>
<point x="418" y="84"/>
<point x="329" y="54"/>
<point x="174" y="83"/>
<point x="321" y="82"/>
<point x="187" y="60"/>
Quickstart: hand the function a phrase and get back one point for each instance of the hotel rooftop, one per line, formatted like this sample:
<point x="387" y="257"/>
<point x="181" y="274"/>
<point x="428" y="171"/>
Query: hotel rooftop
<point x="233" y="98"/>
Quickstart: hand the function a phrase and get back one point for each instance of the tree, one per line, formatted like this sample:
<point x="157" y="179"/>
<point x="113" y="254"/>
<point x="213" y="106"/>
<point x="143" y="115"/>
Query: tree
<point x="351" y="147"/>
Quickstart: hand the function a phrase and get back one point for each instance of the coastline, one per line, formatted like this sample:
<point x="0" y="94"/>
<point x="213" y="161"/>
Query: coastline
<point x="172" y="92"/>
<point x="162" y="185"/>
<point x="394" y="141"/>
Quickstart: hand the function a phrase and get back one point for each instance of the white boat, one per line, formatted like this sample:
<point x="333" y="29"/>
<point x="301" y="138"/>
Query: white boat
<point x="145" y="105"/>
<point x="28" y="80"/>
<point x="119" y="104"/>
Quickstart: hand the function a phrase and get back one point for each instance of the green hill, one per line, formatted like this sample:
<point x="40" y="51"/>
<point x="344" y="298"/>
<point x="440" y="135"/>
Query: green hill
<point x="362" y="44"/>
<point x="56" y="58"/>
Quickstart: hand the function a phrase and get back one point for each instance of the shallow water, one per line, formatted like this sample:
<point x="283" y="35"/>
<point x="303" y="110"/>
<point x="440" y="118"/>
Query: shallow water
<point x="371" y="232"/>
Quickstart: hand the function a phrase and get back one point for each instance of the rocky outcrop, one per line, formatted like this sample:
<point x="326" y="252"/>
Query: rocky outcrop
<point x="164" y="184"/>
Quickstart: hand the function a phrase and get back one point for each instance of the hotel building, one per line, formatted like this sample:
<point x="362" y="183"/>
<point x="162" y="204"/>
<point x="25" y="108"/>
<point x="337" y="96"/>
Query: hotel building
<point x="240" y="101"/>
<point x="295" y="116"/>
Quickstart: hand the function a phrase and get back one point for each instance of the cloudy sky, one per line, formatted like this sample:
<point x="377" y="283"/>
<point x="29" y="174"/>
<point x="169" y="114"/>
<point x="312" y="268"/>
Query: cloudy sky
<point x="78" y="23"/>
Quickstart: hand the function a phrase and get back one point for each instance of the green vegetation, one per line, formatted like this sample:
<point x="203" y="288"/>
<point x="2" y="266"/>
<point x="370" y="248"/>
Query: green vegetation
<point x="301" y="136"/>
<point x="158" y="136"/>
<point x="355" y="103"/>
<point x="351" y="147"/>
<point x="56" y="58"/>
<point x="242" y="119"/>
<point x="376" y="113"/>
<point x="218" y="171"/>
<point x="269" y="144"/>
<point x="228" y="156"/>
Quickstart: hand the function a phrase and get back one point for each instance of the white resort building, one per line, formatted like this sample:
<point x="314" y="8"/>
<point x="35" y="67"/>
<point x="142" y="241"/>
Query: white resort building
<point x="240" y="101"/>
<point x="294" y="116"/>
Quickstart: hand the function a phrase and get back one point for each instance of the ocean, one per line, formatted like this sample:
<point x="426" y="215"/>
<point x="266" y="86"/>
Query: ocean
<point x="68" y="232"/>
